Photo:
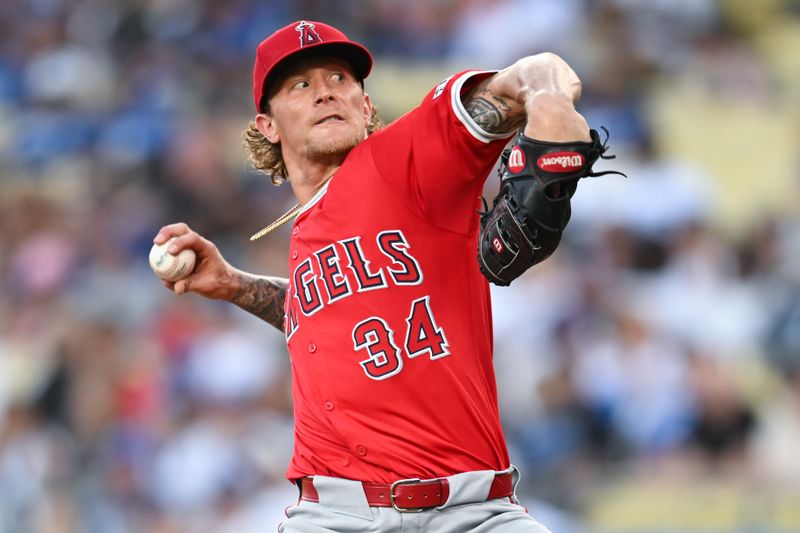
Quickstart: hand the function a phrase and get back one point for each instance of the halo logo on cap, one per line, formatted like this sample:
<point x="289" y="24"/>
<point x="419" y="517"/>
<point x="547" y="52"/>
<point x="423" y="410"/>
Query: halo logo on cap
<point x="308" y="35"/>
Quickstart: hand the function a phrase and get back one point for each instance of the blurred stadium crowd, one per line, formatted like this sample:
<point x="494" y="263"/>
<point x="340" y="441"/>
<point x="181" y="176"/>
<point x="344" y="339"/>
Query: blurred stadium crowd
<point x="659" y="347"/>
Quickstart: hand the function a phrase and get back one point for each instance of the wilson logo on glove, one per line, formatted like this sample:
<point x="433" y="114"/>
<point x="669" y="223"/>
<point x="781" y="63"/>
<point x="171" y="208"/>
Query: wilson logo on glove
<point x="498" y="245"/>
<point x="561" y="162"/>
<point x="516" y="160"/>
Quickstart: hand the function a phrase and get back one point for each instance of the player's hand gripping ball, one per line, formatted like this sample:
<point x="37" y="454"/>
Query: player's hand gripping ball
<point x="171" y="267"/>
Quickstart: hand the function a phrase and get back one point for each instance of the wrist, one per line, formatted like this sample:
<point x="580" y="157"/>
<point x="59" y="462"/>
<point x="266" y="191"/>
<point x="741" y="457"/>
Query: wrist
<point x="230" y="284"/>
<point x="552" y="117"/>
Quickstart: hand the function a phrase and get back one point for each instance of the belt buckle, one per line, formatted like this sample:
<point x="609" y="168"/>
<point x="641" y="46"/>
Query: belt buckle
<point x="393" y="497"/>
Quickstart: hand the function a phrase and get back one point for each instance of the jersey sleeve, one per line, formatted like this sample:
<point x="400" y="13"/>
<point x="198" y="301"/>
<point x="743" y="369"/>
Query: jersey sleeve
<point x="437" y="156"/>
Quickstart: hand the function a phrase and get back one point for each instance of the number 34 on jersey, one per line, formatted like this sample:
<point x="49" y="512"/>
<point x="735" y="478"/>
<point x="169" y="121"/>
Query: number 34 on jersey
<point x="423" y="337"/>
<point x="324" y="274"/>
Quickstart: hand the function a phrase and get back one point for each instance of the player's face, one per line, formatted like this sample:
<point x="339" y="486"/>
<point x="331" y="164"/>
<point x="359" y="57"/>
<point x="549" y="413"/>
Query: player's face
<point x="319" y="110"/>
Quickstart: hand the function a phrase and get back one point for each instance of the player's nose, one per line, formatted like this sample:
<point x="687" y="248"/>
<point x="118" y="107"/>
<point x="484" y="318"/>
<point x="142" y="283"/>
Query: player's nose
<point x="324" y="90"/>
<point x="324" y="94"/>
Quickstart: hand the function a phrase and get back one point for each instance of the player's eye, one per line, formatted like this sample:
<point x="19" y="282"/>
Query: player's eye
<point x="338" y="76"/>
<point x="301" y="84"/>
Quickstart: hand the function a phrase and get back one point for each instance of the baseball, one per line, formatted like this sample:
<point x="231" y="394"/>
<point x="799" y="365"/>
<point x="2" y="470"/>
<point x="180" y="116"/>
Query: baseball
<point x="171" y="267"/>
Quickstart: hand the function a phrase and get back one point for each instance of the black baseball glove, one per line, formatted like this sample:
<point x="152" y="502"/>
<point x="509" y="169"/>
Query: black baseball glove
<point x="527" y="217"/>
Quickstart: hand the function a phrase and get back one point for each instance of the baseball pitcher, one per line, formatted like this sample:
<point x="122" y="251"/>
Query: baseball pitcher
<point x="386" y="311"/>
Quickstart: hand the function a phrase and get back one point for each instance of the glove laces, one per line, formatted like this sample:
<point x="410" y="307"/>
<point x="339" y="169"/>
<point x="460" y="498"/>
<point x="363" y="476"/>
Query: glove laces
<point x="603" y="148"/>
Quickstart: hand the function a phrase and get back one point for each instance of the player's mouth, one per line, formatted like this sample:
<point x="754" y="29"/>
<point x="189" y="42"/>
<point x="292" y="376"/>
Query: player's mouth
<point x="328" y="119"/>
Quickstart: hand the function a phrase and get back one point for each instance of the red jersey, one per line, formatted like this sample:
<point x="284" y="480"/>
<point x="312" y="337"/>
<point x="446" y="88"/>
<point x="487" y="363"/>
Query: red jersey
<point x="388" y="318"/>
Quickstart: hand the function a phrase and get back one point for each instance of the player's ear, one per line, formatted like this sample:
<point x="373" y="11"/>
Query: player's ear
<point x="367" y="108"/>
<point x="266" y="125"/>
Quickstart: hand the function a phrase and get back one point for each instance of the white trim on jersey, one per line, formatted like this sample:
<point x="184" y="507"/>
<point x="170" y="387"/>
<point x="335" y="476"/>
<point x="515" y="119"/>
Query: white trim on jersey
<point x="463" y="115"/>
<point x="316" y="198"/>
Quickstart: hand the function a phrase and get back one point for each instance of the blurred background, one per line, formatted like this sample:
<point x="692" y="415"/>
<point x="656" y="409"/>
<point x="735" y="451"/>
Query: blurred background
<point x="649" y="372"/>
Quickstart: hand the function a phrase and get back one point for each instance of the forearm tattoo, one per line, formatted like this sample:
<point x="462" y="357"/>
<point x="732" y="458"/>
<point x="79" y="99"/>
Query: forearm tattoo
<point x="263" y="297"/>
<point x="493" y="113"/>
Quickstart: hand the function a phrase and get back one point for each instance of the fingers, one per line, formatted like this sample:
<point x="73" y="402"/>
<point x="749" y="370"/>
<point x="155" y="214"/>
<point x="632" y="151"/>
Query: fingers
<point x="178" y="287"/>
<point x="181" y="286"/>
<point x="173" y="286"/>
<point x="184" y="237"/>
<point x="210" y="267"/>
<point x="171" y="230"/>
<point x="191" y="240"/>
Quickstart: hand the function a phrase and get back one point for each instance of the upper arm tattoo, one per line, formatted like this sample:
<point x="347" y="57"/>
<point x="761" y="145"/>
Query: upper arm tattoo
<point x="263" y="297"/>
<point x="493" y="113"/>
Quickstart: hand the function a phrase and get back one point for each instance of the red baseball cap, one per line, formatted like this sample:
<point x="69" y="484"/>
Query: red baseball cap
<point x="303" y="37"/>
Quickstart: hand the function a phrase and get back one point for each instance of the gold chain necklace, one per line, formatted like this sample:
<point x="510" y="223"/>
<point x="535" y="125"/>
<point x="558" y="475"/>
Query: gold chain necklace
<point x="286" y="217"/>
<point x="283" y="219"/>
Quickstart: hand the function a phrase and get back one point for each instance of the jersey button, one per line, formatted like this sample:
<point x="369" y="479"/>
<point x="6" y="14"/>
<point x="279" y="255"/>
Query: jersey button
<point x="362" y="451"/>
<point x="329" y="406"/>
<point x="312" y="347"/>
<point x="295" y="231"/>
<point x="294" y="254"/>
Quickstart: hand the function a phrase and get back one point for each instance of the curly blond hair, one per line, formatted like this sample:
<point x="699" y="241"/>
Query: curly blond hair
<point x="266" y="156"/>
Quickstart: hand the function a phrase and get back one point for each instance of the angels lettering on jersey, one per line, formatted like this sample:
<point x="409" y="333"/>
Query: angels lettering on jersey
<point x="342" y="270"/>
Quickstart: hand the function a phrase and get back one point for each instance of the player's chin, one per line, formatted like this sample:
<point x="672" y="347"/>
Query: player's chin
<point x="333" y="143"/>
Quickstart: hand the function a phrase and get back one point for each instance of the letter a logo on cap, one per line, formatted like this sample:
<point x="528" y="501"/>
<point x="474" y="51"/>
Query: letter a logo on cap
<point x="308" y="35"/>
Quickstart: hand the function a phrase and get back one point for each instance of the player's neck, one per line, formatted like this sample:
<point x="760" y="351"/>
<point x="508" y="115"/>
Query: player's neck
<point x="307" y="181"/>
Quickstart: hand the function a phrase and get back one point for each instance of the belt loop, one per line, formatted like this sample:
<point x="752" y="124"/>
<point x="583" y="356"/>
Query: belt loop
<point x="469" y="487"/>
<point x="515" y="475"/>
<point x="342" y="495"/>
